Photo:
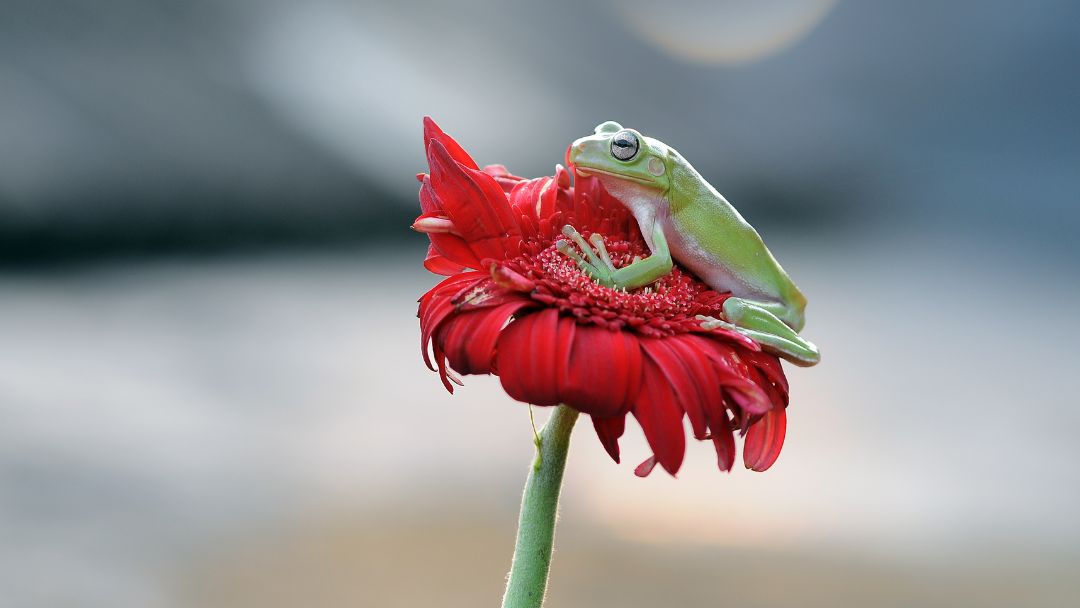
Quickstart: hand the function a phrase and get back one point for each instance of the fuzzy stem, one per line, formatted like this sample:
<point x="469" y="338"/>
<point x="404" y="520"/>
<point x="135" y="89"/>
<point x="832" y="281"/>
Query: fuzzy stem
<point x="539" y="505"/>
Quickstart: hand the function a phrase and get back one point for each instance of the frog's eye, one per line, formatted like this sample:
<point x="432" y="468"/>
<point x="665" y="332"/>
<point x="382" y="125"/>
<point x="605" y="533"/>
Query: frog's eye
<point x="624" y="145"/>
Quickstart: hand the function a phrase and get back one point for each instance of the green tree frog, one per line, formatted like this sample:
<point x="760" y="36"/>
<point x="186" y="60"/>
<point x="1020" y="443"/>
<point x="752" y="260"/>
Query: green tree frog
<point x="683" y="218"/>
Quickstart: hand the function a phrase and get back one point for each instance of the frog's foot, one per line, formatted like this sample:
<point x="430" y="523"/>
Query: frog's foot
<point x="766" y="329"/>
<point x="593" y="259"/>
<point x="596" y="262"/>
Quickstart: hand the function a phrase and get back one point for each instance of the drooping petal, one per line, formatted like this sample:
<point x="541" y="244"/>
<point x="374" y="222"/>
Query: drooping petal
<point x="776" y="397"/>
<point x="646" y="467"/>
<point x="448" y="379"/>
<point x="736" y="379"/>
<point x="609" y="430"/>
<point x="533" y="357"/>
<point x="438" y="304"/>
<point x="546" y="359"/>
<point x="769" y="366"/>
<point x="690" y="375"/>
<point x="433" y="132"/>
<point x="440" y="264"/>
<point x="714" y="409"/>
<point x="604" y="375"/>
<point x="660" y="416"/>
<point x="764" y="440"/>
<point x="455" y="249"/>
<point x="723" y="437"/>
<point x="468" y="338"/>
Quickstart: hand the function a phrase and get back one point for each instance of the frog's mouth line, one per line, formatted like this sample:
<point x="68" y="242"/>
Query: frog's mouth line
<point x="587" y="171"/>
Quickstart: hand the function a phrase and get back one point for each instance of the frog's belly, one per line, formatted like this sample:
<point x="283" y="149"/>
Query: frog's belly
<point x="717" y="271"/>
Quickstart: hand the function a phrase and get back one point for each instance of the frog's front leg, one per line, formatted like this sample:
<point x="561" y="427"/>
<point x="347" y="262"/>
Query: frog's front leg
<point x="597" y="263"/>
<point x="762" y="326"/>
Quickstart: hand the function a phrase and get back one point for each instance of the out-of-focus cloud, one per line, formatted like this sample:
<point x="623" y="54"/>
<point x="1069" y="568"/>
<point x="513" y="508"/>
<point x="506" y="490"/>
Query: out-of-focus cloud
<point x="724" y="31"/>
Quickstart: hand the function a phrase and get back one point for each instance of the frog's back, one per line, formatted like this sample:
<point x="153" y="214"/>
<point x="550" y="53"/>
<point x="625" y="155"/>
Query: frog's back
<point x="711" y="238"/>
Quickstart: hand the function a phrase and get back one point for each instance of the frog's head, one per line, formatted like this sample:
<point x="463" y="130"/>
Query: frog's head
<point x="615" y="156"/>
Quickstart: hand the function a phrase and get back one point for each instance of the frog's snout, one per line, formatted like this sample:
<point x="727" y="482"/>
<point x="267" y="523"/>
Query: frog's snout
<point x="576" y="149"/>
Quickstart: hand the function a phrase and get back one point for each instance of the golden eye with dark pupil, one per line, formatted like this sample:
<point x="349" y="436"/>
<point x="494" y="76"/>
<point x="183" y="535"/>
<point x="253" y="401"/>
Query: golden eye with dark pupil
<point x="624" y="145"/>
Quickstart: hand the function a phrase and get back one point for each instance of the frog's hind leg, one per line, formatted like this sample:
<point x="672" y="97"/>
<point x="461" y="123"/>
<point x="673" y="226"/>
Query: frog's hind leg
<point x="765" y="328"/>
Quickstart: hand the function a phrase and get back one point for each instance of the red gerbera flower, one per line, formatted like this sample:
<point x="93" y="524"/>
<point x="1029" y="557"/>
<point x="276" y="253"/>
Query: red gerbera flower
<point x="513" y="306"/>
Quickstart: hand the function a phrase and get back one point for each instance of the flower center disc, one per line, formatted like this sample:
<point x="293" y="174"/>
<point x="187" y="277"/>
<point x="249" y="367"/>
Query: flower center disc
<point x="667" y="306"/>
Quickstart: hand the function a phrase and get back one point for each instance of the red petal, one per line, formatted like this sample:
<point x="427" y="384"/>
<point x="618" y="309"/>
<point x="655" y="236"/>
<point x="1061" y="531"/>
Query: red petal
<point x="604" y="373"/>
<point x="595" y="208"/>
<point x="770" y="377"/>
<point x="444" y="375"/>
<point x="646" y="467"/>
<point x="450" y="246"/>
<point x="737" y="378"/>
<point x="609" y="430"/>
<point x="429" y="201"/>
<point x="716" y="416"/>
<point x="476" y="205"/>
<point x="432" y="131"/>
<point x="660" y="416"/>
<point x="770" y="365"/>
<point x="562" y="176"/>
<point x="501" y="172"/>
<point x="546" y="359"/>
<point x="536" y="197"/>
<point x="437" y="304"/>
<point x="749" y="396"/>
<point x="455" y="249"/>
<point x="503" y="177"/>
<point x="434" y="223"/>
<point x="776" y="398"/>
<point x="486" y="294"/>
<point x="433" y="311"/>
<point x="508" y="279"/>
<point x="525" y="197"/>
<point x="723" y="440"/>
<point x="533" y="356"/>
<point x="440" y="264"/>
<point x="690" y="375"/>
<point x="734" y="337"/>
<point x="468" y="338"/>
<point x="764" y="440"/>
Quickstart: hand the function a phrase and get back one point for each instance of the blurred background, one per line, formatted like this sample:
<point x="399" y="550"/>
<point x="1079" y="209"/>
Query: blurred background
<point x="210" y="385"/>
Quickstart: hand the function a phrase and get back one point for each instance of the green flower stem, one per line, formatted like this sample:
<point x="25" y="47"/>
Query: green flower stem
<point x="539" y="506"/>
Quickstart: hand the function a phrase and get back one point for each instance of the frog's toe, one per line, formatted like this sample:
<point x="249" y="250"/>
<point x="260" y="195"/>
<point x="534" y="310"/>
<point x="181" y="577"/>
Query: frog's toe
<point x="799" y="351"/>
<point x="790" y="346"/>
<point x="565" y="248"/>
<point x="593" y="260"/>
<point x="796" y="350"/>
<point x="711" y="323"/>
